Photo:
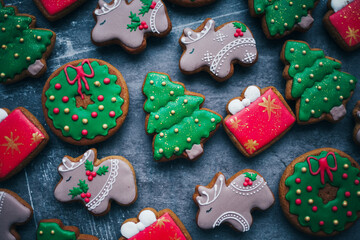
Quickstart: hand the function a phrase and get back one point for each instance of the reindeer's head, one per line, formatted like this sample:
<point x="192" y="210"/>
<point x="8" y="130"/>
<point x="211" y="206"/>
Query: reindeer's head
<point x="195" y="47"/>
<point x="71" y="172"/>
<point x="232" y="203"/>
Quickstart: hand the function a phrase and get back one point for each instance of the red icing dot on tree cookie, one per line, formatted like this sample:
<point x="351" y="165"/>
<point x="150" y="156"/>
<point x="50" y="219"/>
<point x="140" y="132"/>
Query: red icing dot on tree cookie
<point x="349" y="213"/>
<point x="314" y="208"/>
<point x="309" y="188"/>
<point x="56" y="110"/>
<point x="347" y="194"/>
<point x="94" y="114"/>
<point x="58" y="86"/>
<point x="84" y="132"/>
<point x="101" y="98"/>
<point x="106" y="80"/>
<point x="298" y="180"/>
<point x="75" y="117"/>
<point x="334" y="208"/>
<point x="65" y="99"/>
<point x="112" y="114"/>
<point x="321" y="223"/>
<point x="356" y="182"/>
<point x="298" y="201"/>
<point x="345" y="176"/>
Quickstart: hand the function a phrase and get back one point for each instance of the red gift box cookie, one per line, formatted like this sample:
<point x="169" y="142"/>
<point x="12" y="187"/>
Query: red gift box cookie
<point x="257" y="119"/>
<point x="22" y="137"/>
<point x="343" y="23"/>
<point x="56" y="9"/>
<point x="153" y="225"/>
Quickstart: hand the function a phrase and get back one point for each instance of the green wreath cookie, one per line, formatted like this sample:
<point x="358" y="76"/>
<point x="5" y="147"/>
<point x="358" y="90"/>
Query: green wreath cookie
<point x="85" y="101"/>
<point x="320" y="192"/>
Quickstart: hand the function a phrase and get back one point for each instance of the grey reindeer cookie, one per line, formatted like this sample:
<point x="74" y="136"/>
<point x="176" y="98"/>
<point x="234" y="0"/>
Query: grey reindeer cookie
<point x="216" y="50"/>
<point x="129" y="23"/>
<point x="13" y="211"/>
<point x="96" y="182"/>
<point x="231" y="201"/>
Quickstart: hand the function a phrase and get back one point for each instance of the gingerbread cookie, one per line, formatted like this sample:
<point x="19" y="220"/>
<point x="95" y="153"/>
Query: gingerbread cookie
<point x="13" y="211"/>
<point x="343" y="23"/>
<point x="282" y="17"/>
<point x="23" y="47"/>
<point x="257" y="119"/>
<point x="129" y="24"/>
<point x="315" y="81"/>
<point x="356" y="114"/>
<point x="216" y="50"/>
<point x="232" y="201"/>
<point x="176" y="117"/>
<point x="192" y="3"/>
<point x="319" y="192"/>
<point x="96" y="182"/>
<point x="85" y="101"/>
<point x="22" y="137"/>
<point x="153" y="225"/>
<point x="54" y="229"/>
<point x="56" y="9"/>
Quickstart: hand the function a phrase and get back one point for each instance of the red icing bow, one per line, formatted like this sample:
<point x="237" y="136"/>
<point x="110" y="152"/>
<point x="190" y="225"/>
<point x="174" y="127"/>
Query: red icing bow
<point x="80" y="76"/>
<point x="323" y="166"/>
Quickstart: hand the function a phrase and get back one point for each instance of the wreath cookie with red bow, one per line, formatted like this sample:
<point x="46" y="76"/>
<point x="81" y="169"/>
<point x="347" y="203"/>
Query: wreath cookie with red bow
<point x="320" y="192"/>
<point x="85" y="101"/>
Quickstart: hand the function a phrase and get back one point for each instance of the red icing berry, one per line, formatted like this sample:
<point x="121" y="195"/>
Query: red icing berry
<point x="58" y="86"/>
<point x="153" y="5"/>
<point x="56" y="110"/>
<point x="238" y="30"/>
<point x="298" y="201"/>
<point x="236" y="35"/>
<point x="93" y="174"/>
<point x="65" y="99"/>
<point x="88" y="173"/>
<point x="83" y="195"/>
<point x="75" y="117"/>
<point x="87" y="200"/>
<point x="247" y="179"/>
<point x="84" y="132"/>
<point x="101" y="98"/>
<point x="146" y="26"/>
<point x="143" y="23"/>
<point x="356" y="182"/>
<point x="321" y="223"/>
<point x="349" y="213"/>
<point x="141" y="27"/>
<point x="90" y="178"/>
<point x="298" y="180"/>
<point x="245" y="184"/>
<point x="345" y="176"/>
<point x="106" y="80"/>
<point x="88" y="195"/>
<point x="250" y="183"/>
<point x="309" y="188"/>
<point x="334" y="208"/>
<point x="94" y="114"/>
<point x="314" y="208"/>
<point x="112" y="114"/>
<point x="241" y="34"/>
<point x="347" y="194"/>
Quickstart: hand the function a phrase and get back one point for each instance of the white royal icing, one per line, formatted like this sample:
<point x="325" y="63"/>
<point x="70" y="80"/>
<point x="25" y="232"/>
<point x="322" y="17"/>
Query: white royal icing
<point x="339" y="4"/>
<point x="251" y="94"/>
<point x="3" y="114"/>
<point x="130" y="229"/>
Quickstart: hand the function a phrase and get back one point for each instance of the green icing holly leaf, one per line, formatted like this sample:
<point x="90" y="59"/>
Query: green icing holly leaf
<point x="239" y="25"/>
<point x="251" y="176"/>
<point x="146" y="7"/>
<point x="89" y="166"/>
<point x="75" y="192"/>
<point x="83" y="186"/>
<point x="135" y="22"/>
<point x="102" y="170"/>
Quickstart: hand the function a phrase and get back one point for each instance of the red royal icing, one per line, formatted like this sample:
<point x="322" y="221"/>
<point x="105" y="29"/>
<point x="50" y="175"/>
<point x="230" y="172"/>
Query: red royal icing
<point x="18" y="138"/>
<point x="55" y="6"/>
<point x="164" y="228"/>
<point x="258" y="124"/>
<point x="347" y="22"/>
<point x="324" y="167"/>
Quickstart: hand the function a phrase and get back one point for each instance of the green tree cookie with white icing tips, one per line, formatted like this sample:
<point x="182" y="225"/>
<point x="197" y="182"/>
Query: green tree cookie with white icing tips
<point x="176" y="118"/>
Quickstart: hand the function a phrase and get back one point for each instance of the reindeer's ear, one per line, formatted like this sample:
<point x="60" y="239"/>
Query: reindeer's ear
<point x="89" y="155"/>
<point x="66" y="164"/>
<point x="220" y="180"/>
<point x="210" y="25"/>
<point x="101" y="3"/>
<point x="189" y="32"/>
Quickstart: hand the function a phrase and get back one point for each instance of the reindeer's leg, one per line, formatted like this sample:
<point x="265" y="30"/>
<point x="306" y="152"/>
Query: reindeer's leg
<point x="124" y="189"/>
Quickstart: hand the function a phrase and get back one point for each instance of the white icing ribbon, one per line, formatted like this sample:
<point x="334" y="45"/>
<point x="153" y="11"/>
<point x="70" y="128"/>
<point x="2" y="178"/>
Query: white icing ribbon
<point x="339" y="4"/>
<point x="3" y="114"/>
<point x="130" y="229"/>
<point x="251" y="94"/>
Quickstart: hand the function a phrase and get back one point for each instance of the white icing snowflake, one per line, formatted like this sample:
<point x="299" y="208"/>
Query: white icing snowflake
<point x="208" y="57"/>
<point x="220" y="37"/>
<point x="249" y="57"/>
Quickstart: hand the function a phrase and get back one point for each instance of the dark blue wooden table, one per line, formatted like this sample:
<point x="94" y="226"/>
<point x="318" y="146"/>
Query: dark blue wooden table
<point x="171" y="185"/>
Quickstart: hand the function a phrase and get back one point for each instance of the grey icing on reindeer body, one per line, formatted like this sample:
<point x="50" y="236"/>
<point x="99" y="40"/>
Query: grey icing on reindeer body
<point x="232" y="203"/>
<point x="114" y="179"/>
<point x="217" y="49"/>
<point x="113" y="22"/>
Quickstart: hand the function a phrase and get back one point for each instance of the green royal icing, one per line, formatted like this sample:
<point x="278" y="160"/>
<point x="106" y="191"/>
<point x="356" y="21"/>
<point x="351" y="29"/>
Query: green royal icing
<point x="162" y="103"/>
<point x="10" y="43"/>
<point x="314" y="71"/>
<point x="286" y="13"/>
<point x="94" y="125"/>
<point x="324" y="211"/>
<point x="59" y="234"/>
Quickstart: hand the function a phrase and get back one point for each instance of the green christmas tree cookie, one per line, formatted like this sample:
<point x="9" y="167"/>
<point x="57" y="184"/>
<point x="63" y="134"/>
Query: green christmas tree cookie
<point x="176" y="118"/>
<point x="281" y="17"/>
<point x="24" y="48"/>
<point x="316" y="82"/>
